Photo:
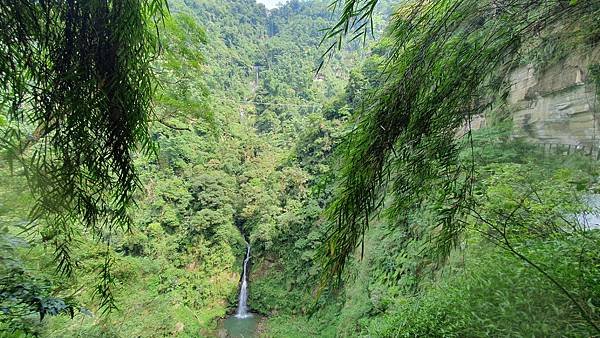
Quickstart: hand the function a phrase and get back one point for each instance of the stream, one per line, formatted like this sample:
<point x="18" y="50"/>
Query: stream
<point x="590" y="220"/>
<point x="244" y="323"/>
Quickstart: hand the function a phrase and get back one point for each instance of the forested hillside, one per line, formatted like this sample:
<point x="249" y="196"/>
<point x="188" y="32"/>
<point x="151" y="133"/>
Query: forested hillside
<point x="237" y="92"/>
<point x="344" y="158"/>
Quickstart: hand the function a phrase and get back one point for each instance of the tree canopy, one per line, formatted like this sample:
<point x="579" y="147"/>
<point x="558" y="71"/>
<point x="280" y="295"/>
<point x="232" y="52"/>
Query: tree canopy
<point x="332" y="137"/>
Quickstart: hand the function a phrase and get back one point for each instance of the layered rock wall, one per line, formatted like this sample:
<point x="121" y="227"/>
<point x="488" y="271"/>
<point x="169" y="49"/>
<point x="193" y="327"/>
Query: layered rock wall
<point x="559" y="105"/>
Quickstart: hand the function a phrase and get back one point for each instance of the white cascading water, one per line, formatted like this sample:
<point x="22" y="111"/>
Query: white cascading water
<point x="242" y="310"/>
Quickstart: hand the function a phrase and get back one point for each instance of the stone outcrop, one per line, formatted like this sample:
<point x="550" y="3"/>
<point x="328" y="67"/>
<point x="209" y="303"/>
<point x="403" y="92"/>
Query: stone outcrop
<point x="558" y="105"/>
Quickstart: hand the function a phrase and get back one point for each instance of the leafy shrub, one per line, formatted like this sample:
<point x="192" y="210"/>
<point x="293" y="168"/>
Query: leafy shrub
<point x="496" y="295"/>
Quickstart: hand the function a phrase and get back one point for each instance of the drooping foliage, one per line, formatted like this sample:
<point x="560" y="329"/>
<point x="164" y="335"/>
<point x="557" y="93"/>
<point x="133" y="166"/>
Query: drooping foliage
<point x="76" y="93"/>
<point x="225" y="132"/>
<point x="245" y="133"/>
<point x="444" y="60"/>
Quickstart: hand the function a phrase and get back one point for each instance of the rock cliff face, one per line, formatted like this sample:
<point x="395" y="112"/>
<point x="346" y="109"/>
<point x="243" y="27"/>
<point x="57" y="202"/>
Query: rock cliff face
<point x="558" y="105"/>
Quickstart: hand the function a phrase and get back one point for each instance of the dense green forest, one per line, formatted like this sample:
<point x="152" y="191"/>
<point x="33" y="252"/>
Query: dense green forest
<point x="138" y="163"/>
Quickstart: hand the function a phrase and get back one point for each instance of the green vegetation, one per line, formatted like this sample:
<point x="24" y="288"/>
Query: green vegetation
<point x="76" y="96"/>
<point x="367" y="212"/>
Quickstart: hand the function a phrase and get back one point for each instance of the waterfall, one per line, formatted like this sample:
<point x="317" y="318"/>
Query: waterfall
<point x="242" y="310"/>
